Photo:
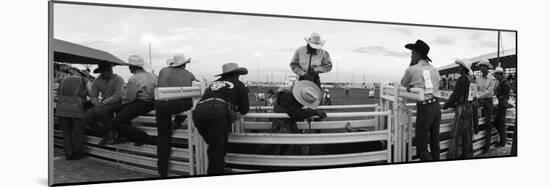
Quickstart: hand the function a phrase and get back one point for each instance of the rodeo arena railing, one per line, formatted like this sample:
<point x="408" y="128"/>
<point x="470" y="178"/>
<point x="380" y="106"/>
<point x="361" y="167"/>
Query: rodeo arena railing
<point x="388" y="125"/>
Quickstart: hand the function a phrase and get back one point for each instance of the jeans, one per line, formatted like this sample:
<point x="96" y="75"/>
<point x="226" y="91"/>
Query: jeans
<point x="461" y="133"/>
<point x="125" y="113"/>
<point x="103" y="114"/>
<point x="428" y="119"/>
<point x="212" y="121"/>
<point x="73" y="136"/>
<point x="487" y="105"/>
<point x="164" y="111"/>
<point x="500" y="121"/>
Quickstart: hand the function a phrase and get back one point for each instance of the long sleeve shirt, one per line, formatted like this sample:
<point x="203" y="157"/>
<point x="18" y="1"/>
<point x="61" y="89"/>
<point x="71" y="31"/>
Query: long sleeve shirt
<point x="460" y="93"/>
<point x="175" y="77"/>
<point x="229" y="89"/>
<point x="111" y="89"/>
<point x="414" y="77"/>
<point x="320" y="62"/>
<point x="503" y="89"/>
<point x="141" y="86"/>
<point x="485" y="86"/>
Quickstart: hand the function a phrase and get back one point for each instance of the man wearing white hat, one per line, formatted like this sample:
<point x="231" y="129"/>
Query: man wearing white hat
<point x="299" y="102"/>
<point x="175" y="75"/>
<point x="461" y="99"/>
<point x="485" y="85"/>
<point x="215" y="113"/>
<point x="310" y="60"/>
<point x="502" y="92"/>
<point x="139" y="100"/>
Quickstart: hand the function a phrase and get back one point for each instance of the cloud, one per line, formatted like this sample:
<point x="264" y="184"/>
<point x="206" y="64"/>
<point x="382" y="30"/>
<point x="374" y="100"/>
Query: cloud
<point x="379" y="50"/>
<point x="405" y="31"/>
<point x="444" y="40"/>
<point x="287" y="49"/>
<point x="488" y="44"/>
<point x="477" y="36"/>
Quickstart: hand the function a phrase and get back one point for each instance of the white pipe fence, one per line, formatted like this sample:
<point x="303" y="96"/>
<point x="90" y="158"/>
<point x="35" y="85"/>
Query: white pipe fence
<point x="391" y="121"/>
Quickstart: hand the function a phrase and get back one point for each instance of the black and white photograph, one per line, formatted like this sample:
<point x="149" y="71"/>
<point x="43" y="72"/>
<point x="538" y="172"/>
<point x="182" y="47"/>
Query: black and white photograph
<point x="161" y="93"/>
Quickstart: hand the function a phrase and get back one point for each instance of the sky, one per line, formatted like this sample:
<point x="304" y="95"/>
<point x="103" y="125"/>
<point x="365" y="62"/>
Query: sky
<point x="264" y="45"/>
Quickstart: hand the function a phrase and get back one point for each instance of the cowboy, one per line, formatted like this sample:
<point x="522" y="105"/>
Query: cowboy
<point x="215" y="113"/>
<point x="421" y="74"/>
<point x="292" y="100"/>
<point x="503" y="94"/>
<point x="139" y="101"/>
<point x="175" y="75"/>
<point x="109" y="86"/>
<point x="310" y="60"/>
<point x="326" y="97"/>
<point x="485" y="85"/>
<point x="70" y="112"/>
<point x="461" y="98"/>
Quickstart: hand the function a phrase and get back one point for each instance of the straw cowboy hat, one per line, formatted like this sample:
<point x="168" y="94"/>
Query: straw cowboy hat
<point x="102" y="67"/>
<point x="420" y="47"/>
<point x="315" y="41"/>
<point x="307" y="93"/>
<point x="232" y="68"/>
<point x="178" y="60"/>
<point x="136" y="60"/>
<point x="465" y="64"/>
<point x="484" y="62"/>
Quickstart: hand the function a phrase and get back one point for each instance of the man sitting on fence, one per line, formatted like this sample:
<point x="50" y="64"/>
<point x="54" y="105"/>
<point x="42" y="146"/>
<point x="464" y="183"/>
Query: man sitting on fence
<point x="140" y="100"/>
<point x="175" y="75"/>
<point x="291" y="100"/>
<point x="310" y="60"/>
<point x="461" y="98"/>
<point x="421" y="74"/>
<point x="109" y="86"/>
<point x="215" y="113"/>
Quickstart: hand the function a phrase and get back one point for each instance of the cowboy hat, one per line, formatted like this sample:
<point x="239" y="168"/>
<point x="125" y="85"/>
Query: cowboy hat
<point x="232" y="68"/>
<point x="498" y="69"/>
<point x="420" y="47"/>
<point x="465" y="64"/>
<point x="102" y="67"/>
<point x="136" y="60"/>
<point x="484" y="62"/>
<point x="179" y="59"/>
<point x="307" y="93"/>
<point x="315" y="41"/>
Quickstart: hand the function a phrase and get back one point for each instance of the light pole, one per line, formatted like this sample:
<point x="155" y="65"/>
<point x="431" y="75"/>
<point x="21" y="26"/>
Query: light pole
<point x="258" y="55"/>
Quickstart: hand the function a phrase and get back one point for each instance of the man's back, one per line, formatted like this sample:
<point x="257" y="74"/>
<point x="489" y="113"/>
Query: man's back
<point x="175" y="77"/>
<point x="415" y="76"/>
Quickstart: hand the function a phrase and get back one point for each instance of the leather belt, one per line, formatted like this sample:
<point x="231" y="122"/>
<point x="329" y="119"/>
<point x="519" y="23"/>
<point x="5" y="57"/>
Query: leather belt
<point x="428" y="101"/>
<point x="216" y="99"/>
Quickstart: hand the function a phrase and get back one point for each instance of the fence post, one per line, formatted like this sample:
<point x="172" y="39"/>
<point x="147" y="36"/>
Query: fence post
<point x="396" y="123"/>
<point x="191" y="143"/>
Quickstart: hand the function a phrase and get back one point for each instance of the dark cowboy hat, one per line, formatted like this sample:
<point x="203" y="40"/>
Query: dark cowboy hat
<point x="232" y="68"/>
<point x="102" y="68"/>
<point x="420" y="47"/>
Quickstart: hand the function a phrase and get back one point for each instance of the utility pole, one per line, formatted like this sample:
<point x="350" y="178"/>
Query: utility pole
<point x="150" y="60"/>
